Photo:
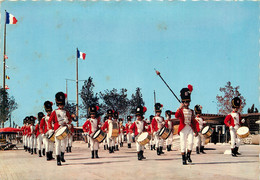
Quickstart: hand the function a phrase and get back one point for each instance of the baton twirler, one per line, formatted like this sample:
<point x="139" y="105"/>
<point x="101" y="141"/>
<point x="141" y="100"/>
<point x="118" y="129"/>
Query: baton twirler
<point x="159" y="74"/>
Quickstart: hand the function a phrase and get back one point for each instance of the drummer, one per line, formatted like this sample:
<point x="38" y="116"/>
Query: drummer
<point x="115" y="120"/>
<point x="105" y="127"/>
<point x="128" y="133"/>
<point x="27" y="135"/>
<point x="91" y="126"/>
<point x="121" y="134"/>
<point x="38" y="135"/>
<point x="23" y="128"/>
<point x="49" y="145"/>
<point x="138" y="127"/>
<point x="105" y="140"/>
<point x="187" y="124"/>
<point x="32" y="133"/>
<point x="158" y="123"/>
<point x="169" y="125"/>
<point x="70" y="138"/>
<point x="61" y="118"/>
<point x="152" y="141"/>
<point x="200" y="139"/>
<point x="233" y="121"/>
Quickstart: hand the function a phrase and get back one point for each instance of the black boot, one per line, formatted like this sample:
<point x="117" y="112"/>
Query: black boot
<point x="202" y="150"/>
<point x="110" y="149"/>
<point x="233" y="152"/>
<point x="129" y="145"/>
<point x="170" y="147"/>
<point x="105" y="147"/>
<point x="188" y="156"/>
<point x="184" y="162"/>
<point x="35" y="152"/>
<point x="31" y="151"/>
<point x="62" y="157"/>
<point x="154" y="147"/>
<point x="58" y="160"/>
<point x="113" y="149"/>
<point x="197" y="150"/>
<point x="158" y="152"/>
<point x="67" y="149"/>
<point x="88" y="145"/>
<point x="151" y="147"/>
<point x="236" y="151"/>
<point x="142" y="154"/>
<point x="96" y="153"/>
<point x="116" y="148"/>
<point x="40" y="154"/>
<point x="70" y="148"/>
<point x="51" y="156"/>
<point x="24" y="147"/>
<point x="161" y="148"/>
<point x="139" y="155"/>
<point x="48" y="156"/>
<point x="43" y="152"/>
<point x="122" y="144"/>
<point x="92" y="153"/>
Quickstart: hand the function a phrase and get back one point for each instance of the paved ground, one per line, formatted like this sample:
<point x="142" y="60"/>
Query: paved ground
<point x="123" y="164"/>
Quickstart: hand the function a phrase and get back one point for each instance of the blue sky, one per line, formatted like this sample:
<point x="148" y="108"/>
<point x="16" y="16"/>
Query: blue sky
<point x="204" y="44"/>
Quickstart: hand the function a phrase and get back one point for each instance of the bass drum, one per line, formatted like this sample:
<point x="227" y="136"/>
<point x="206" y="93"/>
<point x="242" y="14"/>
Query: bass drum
<point x="243" y="132"/>
<point x="51" y="137"/>
<point x="164" y="133"/>
<point x="62" y="133"/>
<point x="113" y="130"/>
<point x="99" y="135"/>
<point x="143" y="138"/>
<point x="207" y="131"/>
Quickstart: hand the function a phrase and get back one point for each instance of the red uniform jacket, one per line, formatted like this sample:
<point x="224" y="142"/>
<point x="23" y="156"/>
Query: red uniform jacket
<point x="179" y="114"/>
<point x="23" y="129"/>
<point x="134" y="128"/>
<point x="198" y="125"/>
<point x="155" y="125"/>
<point x="127" y="128"/>
<point x="87" y="127"/>
<point x="229" y="121"/>
<point x="72" y="128"/>
<point x="53" y="118"/>
<point x="43" y="126"/>
<point x="37" y="129"/>
<point x="106" y="126"/>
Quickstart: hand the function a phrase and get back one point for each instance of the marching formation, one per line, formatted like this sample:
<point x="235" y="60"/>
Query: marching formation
<point x="54" y="131"/>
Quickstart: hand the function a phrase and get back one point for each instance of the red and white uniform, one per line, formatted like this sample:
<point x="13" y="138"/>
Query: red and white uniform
<point x="33" y="140"/>
<point x="70" y="136"/>
<point x="233" y="121"/>
<point x="90" y="127"/>
<point x="200" y="139"/>
<point x="111" y="141"/>
<point x="38" y="136"/>
<point x="120" y="137"/>
<point x="187" y="128"/>
<point x="27" y="136"/>
<point x="157" y="124"/>
<point x="169" y="125"/>
<point x="47" y="145"/>
<point x="60" y="118"/>
<point x="23" y="134"/>
<point x="138" y="127"/>
<point x="128" y="132"/>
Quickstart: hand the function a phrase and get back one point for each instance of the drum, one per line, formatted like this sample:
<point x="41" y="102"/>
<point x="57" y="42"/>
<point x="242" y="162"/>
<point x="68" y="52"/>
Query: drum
<point x="62" y="133"/>
<point x="113" y="130"/>
<point x="51" y="137"/>
<point x="99" y="135"/>
<point x="164" y="133"/>
<point x="243" y="132"/>
<point x="143" y="138"/>
<point x="207" y="131"/>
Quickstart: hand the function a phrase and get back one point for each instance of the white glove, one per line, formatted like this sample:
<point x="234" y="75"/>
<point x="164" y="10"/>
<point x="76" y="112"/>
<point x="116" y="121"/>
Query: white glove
<point x="42" y="135"/>
<point x="50" y="132"/>
<point x="155" y="133"/>
<point x="132" y="134"/>
<point x="163" y="123"/>
<point x="231" y="127"/>
<point x="146" y="127"/>
<point x="243" y="120"/>
<point x="69" y="126"/>
<point x="99" y="126"/>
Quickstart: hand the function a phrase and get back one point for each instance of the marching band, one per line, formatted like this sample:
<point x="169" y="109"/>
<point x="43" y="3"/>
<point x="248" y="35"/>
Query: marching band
<point x="56" y="128"/>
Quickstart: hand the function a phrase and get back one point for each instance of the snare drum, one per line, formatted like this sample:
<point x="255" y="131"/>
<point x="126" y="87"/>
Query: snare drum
<point x="164" y="133"/>
<point x="99" y="135"/>
<point x="62" y="133"/>
<point x="243" y="132"/>
<point x="51" y="137"/>
<point x="143" y="138"/>
<point x="113" y="129"/>
<point x="207" y="131"/>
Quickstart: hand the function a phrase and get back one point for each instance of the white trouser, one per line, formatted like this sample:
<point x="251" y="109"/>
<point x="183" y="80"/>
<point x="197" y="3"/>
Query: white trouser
<point x="105" y="142"/>
<point x="44" y="141"/>
<point x="200" y="140"/>
<point x="70" y="139"/>
<point x="186" y="136"/>
<point x="139" y="147"/>
<point x="33" y="141"/>
<point x="39" y="142"/>
<point x="120" y="138"/>
<point x="24" y="140"/>
<point x="111" y="141"/>
<point x="169" y="139"/>
<point x="158" y="141"/>
<point x="152" y="140"/>
<point x="49" y="145"/>
<point x="129" y="138"/>
<point x="93" y="144"/>
<point x="60" y="145"/>
<point x="235" y="140"/>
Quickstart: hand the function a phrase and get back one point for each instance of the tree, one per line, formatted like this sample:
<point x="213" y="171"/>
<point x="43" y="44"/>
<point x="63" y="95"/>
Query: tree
<point x="224" y="102"/>
<point x="7" y="106"/>
<point x="137" y="99"/>
<point x="88" y="96"/>
<point x="115" y="100"/>
<point x="252" y="109"/>
<point x="71" y="107"/>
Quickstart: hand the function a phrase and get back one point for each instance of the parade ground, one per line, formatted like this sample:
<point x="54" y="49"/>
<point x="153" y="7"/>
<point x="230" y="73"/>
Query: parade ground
<point x="123" y="164"/>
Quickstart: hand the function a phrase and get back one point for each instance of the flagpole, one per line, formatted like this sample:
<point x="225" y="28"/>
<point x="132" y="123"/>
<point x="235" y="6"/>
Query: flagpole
<point x="4" y="53"/>
<point x="77" y="90"/>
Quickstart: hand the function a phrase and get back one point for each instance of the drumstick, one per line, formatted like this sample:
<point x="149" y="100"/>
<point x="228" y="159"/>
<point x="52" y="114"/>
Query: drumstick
<point x="159" y="74"/>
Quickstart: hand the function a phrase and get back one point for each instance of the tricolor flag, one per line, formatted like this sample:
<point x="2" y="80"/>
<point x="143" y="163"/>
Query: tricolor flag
<point x="7" y="77"/>
<point x="10" y="19"/>
<point x="81" y="55"/>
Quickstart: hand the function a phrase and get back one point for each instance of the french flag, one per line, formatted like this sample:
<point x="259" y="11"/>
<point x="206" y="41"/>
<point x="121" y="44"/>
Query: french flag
<point x="10" y="19"/>
<point x="81" y="55"/>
